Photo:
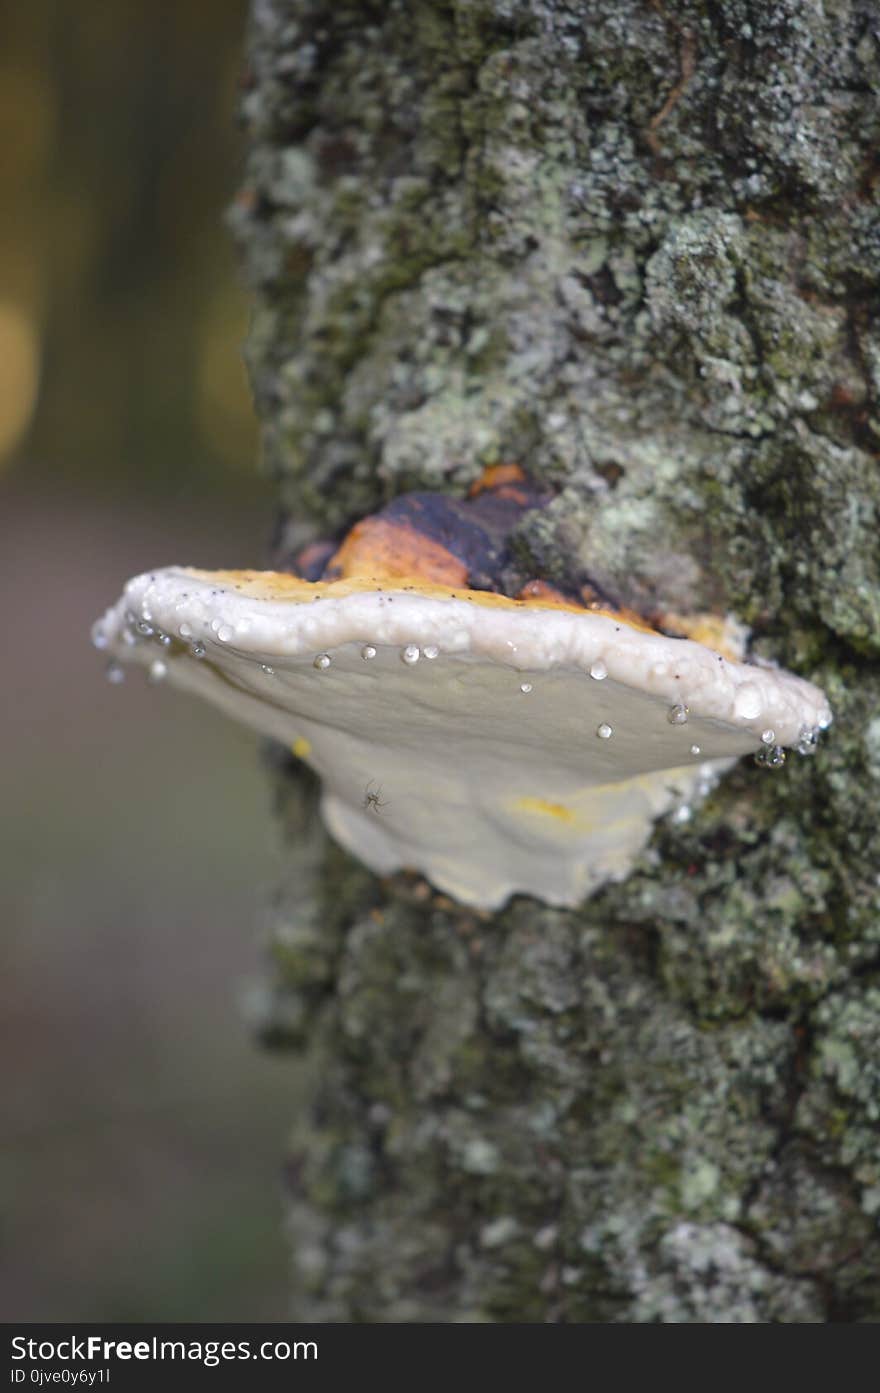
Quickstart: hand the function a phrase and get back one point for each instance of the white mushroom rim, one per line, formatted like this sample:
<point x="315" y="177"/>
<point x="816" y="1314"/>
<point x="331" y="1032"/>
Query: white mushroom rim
<point x="495" y="746"/>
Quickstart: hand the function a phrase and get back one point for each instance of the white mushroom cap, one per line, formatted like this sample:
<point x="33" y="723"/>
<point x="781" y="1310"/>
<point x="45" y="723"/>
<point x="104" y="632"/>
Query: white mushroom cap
<point x="496" y="762"/>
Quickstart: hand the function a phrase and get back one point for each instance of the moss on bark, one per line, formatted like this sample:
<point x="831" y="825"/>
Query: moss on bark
<point x="633" y="246"/>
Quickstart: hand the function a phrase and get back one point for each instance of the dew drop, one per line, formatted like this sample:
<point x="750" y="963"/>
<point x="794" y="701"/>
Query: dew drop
<point x="599" y="671"/>
<point x="164" y="640"/>
<point x="157" y="671"/>
<point x="322" y="662"/>
<point x="770" y="757"/>
<point x="225" y="633"/>
<point x="431" y="651"/>
<point x="695" y="750"/>
<point x="144" y="629"/>
<point x="677" y="715"/>
<point x="114" y="673"/>
<point x="807" y="741"/>
<point x="604" y="731"/>
<point x="99" y="638"/>
<point x="525" y="687"/>
<point x="411" y="653"/>
<point x="185" y="630"/>
<point x="197" y="649"/>
<point x="269" y="671"/>
<point x="368" y="651"/>
<point x="768" y="737"/>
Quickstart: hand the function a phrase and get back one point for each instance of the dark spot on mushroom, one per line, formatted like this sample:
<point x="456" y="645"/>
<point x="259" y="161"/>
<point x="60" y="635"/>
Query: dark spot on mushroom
<point x="435" y="536"/>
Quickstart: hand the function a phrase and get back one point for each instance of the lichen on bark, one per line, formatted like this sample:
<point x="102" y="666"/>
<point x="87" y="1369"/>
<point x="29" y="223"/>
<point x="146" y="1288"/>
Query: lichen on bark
<point x="632" y="246"/>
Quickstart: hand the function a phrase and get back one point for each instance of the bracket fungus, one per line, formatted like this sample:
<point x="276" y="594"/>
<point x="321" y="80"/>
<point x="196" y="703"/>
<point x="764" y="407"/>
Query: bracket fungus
<point x="497" y="744"/>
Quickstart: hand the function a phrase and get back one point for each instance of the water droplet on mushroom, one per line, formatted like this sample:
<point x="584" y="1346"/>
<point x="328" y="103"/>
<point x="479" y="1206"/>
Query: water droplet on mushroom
<point x="114" y="673"/>
<point x="770" y="757"/>
<point x="269" y="671"/>
<point x="157" y="671"/>
<point x="411" y="653"/>
<point x="605" y="731"/>
<point x="368" y="651"/>
<point x="768" y="737"/>
<point x="695" y="750"/>
<point x="144" y="629"/>
<point x="525" y="687"/>
<point x="807" y="741"/>
<point x="322" y="662"/>
<point x="677" y="715"/>
<point x="99" y="638"/>
<point x="225" y="633"/>
<point x="197" y="649"/>
<point x="184" y="630"/>
<point x="431" y="651"/>
<point x="599" y="671"/>
<point x="164" y="640"/>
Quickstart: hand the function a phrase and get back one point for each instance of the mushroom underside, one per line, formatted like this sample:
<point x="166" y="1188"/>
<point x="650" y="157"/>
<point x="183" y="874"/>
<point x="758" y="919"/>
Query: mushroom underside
<point x="495" y="749"/>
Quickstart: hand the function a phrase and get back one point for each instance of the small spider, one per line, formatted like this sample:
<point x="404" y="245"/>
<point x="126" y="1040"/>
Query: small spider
<point x="373" y="800"/>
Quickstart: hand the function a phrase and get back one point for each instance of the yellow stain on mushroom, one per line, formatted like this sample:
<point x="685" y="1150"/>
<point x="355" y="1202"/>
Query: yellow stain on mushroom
<point x="281" y="586"/>
<point x="546" y="808"/>
<point x="722" y="633"/>
<point x="301" y="747"/>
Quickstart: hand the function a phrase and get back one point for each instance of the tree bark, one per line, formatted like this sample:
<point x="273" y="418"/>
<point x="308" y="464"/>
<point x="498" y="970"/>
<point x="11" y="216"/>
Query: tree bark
<point x="631" y="245"/>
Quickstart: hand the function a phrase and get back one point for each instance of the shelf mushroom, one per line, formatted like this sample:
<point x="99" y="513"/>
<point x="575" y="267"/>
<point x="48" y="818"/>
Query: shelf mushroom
<point x="497" y="745"/>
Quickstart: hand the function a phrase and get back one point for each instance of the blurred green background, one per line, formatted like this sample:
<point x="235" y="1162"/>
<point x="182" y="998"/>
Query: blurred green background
<point x="142" y="1130"/>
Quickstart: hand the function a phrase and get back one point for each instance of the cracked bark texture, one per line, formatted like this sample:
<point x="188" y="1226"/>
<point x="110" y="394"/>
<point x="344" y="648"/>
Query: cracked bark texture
<point x="633" y="246"/>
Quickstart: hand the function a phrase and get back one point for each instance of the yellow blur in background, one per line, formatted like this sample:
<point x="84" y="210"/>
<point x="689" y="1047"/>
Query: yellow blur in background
<point x="118" y="299"/>
<point x="142" y="1136"/>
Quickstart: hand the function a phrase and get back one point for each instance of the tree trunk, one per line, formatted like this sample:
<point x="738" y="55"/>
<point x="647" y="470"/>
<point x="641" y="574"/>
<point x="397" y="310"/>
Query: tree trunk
<point x="629" y="244"/>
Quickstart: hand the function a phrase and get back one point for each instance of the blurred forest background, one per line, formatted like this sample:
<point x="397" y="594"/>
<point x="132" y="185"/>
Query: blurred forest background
<point x="142" y="1130"/>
